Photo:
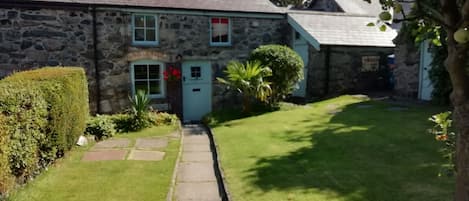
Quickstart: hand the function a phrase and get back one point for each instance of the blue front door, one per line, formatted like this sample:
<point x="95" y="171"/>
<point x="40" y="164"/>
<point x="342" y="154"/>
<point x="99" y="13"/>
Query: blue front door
<point x="196" y="89"/>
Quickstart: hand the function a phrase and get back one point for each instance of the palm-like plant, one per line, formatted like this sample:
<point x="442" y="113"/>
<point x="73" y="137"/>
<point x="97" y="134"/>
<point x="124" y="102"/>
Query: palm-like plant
<point x="248" y="80"/>
<point x="139" y="110"/>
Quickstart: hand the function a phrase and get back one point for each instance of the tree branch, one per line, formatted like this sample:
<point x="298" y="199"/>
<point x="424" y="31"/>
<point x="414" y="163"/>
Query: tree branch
<point x="451" y="14"/>
<point x="432" y="14"/>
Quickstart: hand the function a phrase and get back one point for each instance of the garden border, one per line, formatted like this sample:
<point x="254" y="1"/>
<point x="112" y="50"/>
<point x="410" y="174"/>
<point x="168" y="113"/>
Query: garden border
<point x="170" y="195"/>
<point x="219" y="174"/>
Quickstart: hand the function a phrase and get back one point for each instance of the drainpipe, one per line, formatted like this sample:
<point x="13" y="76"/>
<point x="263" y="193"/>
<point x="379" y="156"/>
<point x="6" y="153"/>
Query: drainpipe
<point x="328" y="66"/>
<point x="95" y="60"/>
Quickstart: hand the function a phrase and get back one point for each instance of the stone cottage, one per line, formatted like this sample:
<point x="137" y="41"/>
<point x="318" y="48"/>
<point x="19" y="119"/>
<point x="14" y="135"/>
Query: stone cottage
<point x="127" y="46"/>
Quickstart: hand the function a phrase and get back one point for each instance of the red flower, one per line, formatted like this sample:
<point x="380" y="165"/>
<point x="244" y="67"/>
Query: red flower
<point x="172" y="74"/>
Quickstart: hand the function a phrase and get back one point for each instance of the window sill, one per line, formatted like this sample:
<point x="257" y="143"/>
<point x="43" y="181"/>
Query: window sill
<point x="220" y="44"/>
<point x="145" y="44"/>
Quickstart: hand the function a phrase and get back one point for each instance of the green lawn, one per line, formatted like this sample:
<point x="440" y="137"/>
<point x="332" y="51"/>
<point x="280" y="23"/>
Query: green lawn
<point x="363" y="153"/>
<point x="73" y="180"/>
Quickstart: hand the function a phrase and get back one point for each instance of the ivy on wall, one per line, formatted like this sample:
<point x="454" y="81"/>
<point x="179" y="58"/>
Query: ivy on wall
<point x="418" y="33"/>
<point x="439" y="76"/>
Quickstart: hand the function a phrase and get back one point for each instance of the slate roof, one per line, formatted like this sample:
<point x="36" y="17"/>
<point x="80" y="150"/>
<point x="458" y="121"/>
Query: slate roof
<point x="342" y="29"/>
<point x="360" y="7"/>
<point x="258" y="6"/>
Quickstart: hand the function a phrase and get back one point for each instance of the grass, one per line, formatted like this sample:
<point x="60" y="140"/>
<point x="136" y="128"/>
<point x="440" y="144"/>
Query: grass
<point x="74" y="180"/>
<point x="362" y="153"/>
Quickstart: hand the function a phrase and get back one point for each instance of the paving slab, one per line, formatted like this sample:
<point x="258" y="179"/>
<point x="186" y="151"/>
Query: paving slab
<point x="151" y="143"/>
<point x="196" y="147"/>
<point x="197" y="157"/>
<point x="105" y="155"/>
<point x="206" y="191"/>
<point x="146" y="155"/>
<point x="195" y="172"/>
<point x="112" y="143"/>
<point x="196" y="139"/>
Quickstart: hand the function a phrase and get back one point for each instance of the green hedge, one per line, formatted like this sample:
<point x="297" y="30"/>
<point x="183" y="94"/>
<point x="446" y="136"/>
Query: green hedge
<point x="44" y="111"/>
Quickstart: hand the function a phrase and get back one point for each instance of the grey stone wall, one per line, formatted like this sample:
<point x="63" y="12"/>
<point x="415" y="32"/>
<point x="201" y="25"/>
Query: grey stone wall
<point x="407" y="59"/>
<point x="32" y="38"/>
<point x="344" y="70"/>
<point x="186" y="35"/>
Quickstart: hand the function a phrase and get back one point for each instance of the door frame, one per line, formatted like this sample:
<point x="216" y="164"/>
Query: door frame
<point x="301" y="42"/>
<point x="425" y="56"/>
<point x="184" y="88"/>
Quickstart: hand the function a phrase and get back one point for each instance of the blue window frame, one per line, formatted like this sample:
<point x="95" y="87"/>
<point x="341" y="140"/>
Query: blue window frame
<point x="147" y="75"/>
<point x="220" y="31"/>
<point x="145" y="29"/>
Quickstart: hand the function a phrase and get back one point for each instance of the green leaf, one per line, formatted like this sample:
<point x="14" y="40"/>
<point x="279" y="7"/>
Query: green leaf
<point x="397" y="8"/>
<point x="383" y="27"/>
<point x="371" y="24"/>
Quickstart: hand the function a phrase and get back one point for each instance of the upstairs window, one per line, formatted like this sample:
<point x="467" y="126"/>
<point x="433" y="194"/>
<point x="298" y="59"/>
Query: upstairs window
<point x="220" y="31"/>
<point x="147" y="76"/>
<point x="145" y="31"/>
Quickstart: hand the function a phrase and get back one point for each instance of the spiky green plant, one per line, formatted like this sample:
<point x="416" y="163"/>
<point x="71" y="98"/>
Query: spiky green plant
<point x="249" y="80"/>
<point x="139" y="110"/>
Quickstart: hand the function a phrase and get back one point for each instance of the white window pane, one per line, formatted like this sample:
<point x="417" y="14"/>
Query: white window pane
<point x="154" y="71"/>
<point x="139" y="35"/>
<point x="151" y="35"/>
<point x="141" y="86"/>
<point x="219" y="29"/>
<point x="155" y="87"/>
<point x="150" y="21"/>
<point x="139" y="21"/>
<point x="140" y="72"/>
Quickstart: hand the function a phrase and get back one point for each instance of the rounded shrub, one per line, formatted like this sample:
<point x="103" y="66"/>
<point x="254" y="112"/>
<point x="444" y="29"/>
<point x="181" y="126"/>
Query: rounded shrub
<point x="163" y="118"/>
<point x="286" y="66"/>
<point x="101" y="127"/>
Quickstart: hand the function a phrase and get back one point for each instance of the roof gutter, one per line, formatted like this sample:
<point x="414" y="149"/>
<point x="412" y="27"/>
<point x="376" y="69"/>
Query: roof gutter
<point x="133" y="8"/>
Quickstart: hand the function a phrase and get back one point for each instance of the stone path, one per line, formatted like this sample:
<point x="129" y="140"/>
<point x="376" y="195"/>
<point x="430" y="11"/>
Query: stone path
<point x="195" y="175"/>
<point x="146" y="149"/>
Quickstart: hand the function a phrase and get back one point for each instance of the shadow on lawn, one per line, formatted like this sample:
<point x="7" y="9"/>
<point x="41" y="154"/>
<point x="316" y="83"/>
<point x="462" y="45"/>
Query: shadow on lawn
<point x="360" y="154"/>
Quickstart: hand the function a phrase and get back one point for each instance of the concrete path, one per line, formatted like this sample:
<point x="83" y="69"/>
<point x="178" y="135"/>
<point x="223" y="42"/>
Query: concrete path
<point x="196" y="179"/>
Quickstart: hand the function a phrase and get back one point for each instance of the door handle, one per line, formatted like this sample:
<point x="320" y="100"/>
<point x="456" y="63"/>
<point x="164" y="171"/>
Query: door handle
<point x="183" y="78"/>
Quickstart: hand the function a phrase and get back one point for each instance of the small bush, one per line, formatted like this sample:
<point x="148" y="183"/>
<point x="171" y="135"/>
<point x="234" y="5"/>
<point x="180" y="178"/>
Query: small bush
<point x="163" y="118"/>
<point x="286" y="65"/>
<point x="443" y="132"/>
<point x="123" y="122"/>
<point x="101" y="126"/>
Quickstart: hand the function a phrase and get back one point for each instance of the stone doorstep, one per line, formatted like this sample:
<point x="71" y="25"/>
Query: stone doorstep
<point x="197" y="157"/>
<point x="146" y="155"/>
<point x="112" y="143"/>
<point x="196" y="172"/>
<point x="151" y="143"/>
<point x="104" y="155"/>
<point x="203" y="191"/>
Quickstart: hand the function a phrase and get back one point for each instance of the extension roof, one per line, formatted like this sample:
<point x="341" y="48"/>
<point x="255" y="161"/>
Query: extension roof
<point x="321" y="28"/>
